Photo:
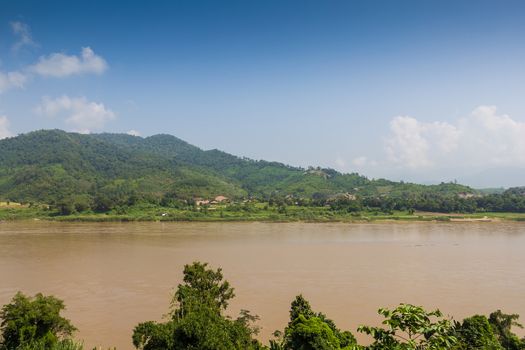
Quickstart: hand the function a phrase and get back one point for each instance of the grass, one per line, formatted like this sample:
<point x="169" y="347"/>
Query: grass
<point x="255" y="212"/>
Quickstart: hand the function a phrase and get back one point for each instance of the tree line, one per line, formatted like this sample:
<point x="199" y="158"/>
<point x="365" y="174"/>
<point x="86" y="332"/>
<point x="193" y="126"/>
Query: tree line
<point x="119" y="198"/>
<point x="197" y="321"/>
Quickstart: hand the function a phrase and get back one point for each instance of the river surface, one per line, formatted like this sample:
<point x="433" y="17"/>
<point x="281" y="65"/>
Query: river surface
<point x="115" y="275"/>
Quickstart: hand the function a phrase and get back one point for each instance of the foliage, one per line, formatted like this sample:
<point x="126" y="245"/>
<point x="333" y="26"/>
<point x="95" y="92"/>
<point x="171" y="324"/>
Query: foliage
<point x="202" y="286"/>
<point x="309" y="334"/>
<point x="502" y="325"/>
<point x="308" y="330"/>
<point x="66" y="344"/>
<point x="410" y="327"/>
<point x="300" y="306"/>
<point x="33" y="321"/>
<point x="197" y="320"/>
<point x="476" y="333"/>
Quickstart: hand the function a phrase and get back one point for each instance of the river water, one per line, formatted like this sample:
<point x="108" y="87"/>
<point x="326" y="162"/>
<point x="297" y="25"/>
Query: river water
<point x="115" y="275"/>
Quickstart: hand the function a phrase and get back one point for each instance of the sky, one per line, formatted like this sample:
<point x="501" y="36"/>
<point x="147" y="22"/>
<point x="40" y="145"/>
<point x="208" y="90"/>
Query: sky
<point x="423" y="91"/>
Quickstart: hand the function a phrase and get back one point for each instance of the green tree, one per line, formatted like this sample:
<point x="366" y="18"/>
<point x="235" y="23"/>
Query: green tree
<point x="205" y="329"/>
<point x="310" y="334"/>
<point x="308" y="330"/>
<point x="410" y="327"/>
<point x="300" y="306"/>
<point x="82" y="203"/>
<point x="202" y="285"/>
<point x="197" y="320"/>
<point x="502" y="325"/>
<point x="65" y="344"/>
<point x="65" y="206"/>
<point x="153" y="336"/>
<point x="102" y="203"/>
<point x="33" y="321"/>
<point x="476" y="333"/>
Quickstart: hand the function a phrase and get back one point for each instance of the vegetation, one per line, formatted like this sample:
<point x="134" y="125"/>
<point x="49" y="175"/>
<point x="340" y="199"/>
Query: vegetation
<point x="310" y="330"/>
<point x="411" y="327"/>
<point x="53" y="173"/>
<point x="35" y="323"/>
<point x="476" y="333"/>
<point x="251" y="210"/>
<point x="197" y="321"/>
<point x="502" y="325"/>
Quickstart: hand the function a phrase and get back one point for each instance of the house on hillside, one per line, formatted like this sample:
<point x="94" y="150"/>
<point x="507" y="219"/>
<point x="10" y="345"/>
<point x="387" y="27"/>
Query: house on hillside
<point x="465" y="195"/>
<point x="217" y="200"/>
<point x="220" y="199"/>
<point x="342" y="196"/>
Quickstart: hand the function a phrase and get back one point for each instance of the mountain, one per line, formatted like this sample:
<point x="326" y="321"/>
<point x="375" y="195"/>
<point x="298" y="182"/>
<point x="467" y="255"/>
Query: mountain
<point x="49" y="165"/>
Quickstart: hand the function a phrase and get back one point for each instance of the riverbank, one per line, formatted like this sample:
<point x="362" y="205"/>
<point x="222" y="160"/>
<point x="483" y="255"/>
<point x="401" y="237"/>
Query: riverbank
<point x="262" y="213"/>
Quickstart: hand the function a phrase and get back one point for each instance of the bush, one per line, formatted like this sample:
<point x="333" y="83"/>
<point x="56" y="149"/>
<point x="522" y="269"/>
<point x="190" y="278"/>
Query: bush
<point x="28" y="322"/>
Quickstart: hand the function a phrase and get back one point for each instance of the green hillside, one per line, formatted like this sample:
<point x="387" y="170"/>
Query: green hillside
<point x="55" y="172"/>
<point x="46" y="166"/>
<point x="49" y="165"/>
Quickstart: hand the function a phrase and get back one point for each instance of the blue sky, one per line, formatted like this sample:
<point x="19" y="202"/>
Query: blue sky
<point x="425" y="91"/>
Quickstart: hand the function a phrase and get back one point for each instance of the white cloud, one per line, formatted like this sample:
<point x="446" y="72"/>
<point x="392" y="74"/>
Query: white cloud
<point x="133" y="133"/>
<point x="340" y="162"/>
<point x="23" y="33"/>
<point x="59" y="65"/>
<point x="55" y="65"/>
<point x="360" y="161"/>
<point x="11" y="80"/>
<point x="82" y="115"/>
<point x="4" y="128"/>
<point x="484" y="138"/>
<point x="355" y="164"/>
<point x="412" y="143"/>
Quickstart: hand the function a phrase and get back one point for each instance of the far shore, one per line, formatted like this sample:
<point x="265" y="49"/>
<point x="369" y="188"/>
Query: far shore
<point x="362" y="218"/>
<point x="255" y="213"/>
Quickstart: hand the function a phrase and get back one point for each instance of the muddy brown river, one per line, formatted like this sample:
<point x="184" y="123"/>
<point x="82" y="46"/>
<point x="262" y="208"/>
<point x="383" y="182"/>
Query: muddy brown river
<point x="115" y="275"/>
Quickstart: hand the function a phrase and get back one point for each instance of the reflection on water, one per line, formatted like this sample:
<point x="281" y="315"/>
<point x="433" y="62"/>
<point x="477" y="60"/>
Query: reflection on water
<point x="114" y="275"/>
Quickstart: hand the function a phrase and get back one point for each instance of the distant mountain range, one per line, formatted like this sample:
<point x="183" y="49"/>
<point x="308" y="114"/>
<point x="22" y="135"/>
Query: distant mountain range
<point x="49" y="165"/>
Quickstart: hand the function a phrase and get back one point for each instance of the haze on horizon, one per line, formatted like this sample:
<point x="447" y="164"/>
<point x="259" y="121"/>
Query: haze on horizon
<point x="419" y="91"/>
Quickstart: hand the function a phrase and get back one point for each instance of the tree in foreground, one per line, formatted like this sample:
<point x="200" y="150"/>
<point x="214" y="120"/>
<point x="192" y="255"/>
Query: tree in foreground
<point x="475" y="332"/>
<point x="64" y="344"/>
<point x="502" y="325"/>
<point x="308" y="330"/>
<point x="197" y="318"/>
<point x="410" y="327"/>
<point x="34" y="323"/>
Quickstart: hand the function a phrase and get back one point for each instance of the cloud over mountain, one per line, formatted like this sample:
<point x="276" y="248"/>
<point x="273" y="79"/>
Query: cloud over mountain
<point x="485" y="137"/>
<point x="82" y="115"/>
<point x="4" y="128"/>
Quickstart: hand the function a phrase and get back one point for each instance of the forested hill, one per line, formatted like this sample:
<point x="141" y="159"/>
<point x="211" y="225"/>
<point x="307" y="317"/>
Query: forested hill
<point x="50" y="165"/>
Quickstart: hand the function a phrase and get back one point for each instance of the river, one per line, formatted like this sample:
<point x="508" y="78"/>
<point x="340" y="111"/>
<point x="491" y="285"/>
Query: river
<point x="115" y="275"/>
